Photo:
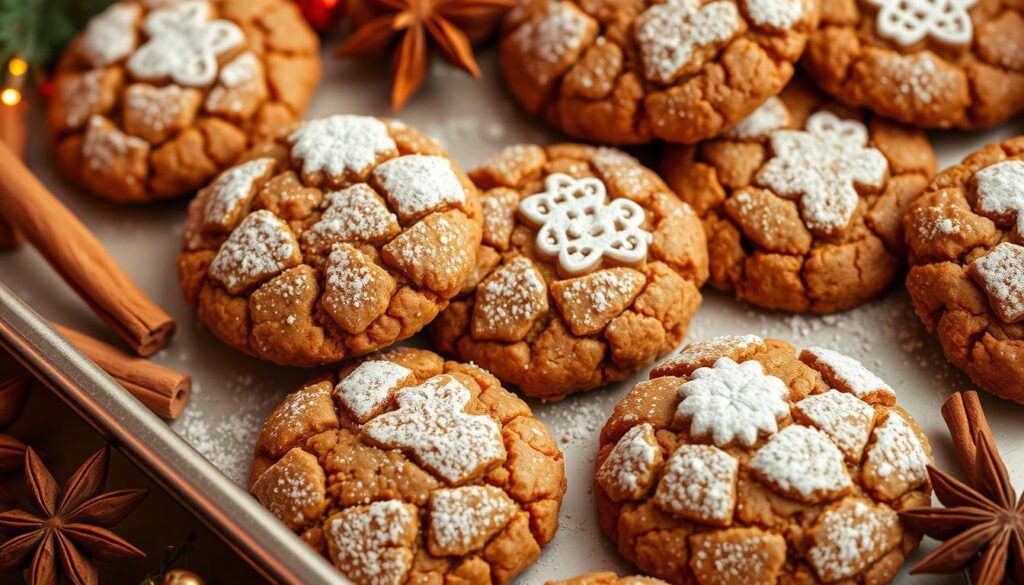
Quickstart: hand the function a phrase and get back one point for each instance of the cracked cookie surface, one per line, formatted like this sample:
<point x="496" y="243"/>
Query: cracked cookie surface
<point x="606" y="578"/>
<point x="590" y="269"/>
<point x="404" y="468"/>
<point x="632" y="72"/>
<point x="741" y="462"/>
<point x="802" y="201"/>
<point x="935" y="64"/>
<point x="340" y="238"/>
<point x="967" y="265"/>
<point x="154" y="99"/>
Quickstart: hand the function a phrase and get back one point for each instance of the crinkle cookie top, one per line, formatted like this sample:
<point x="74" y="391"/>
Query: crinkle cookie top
<point x="405" y="468"/>
<point x="802" y="201"/>
<point x="342" y="237"/>
<point x="966" y="239"/>
<point x="930" y="63"/>
<point x="153" y="99"/>
<point x="590" y="269"/>
<point x="741" y="462"/>
<point x="631" y="72"/>
<point x="606" y="578"/>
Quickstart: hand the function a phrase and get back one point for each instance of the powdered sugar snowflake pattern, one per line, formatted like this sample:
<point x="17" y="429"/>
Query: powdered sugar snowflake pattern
<point x="1001" y="274"/>
<point x="184" y="44"/>
<point x="820" y="166"/>
<point x="1000" y="189"/>
<point x="463" y="519"/>
<point x="761" y="123"/>
<point x="672" y="34"/>
<point x="732" y="402"/>
<point x="699" y="484"/>
<point x="340" y="145"/>
<point x="908" y="22"/>
<point x="232" y="190"/>
<point x="580" y="228"/>
<point x="368" y="389"/>
<point x="802" y="463"/>
<point x="431" y="425"/>
<point x="630" y="469"/>
<point x="373" y="544"/>
<point x="110" y="35"/>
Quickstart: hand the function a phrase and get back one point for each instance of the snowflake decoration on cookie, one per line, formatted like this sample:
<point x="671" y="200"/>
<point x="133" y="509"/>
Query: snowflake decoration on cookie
<point x="733" y="402"/>
<point x="908" y="22"/>
<point x="821" y="167"/>
<point x="184" y="44"/>
<point x="1000" y="189"/>
<point x="580" y="228"/>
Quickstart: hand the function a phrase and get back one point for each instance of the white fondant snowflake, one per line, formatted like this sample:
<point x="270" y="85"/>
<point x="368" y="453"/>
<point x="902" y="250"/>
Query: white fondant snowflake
<point x="821" y="166"/>
<point x="184" y="44"/>
<point x="732" y="402"/>
<point x="580" y="228"/>
<point x="907" y="22"/>
<point x="1001" y="191"/>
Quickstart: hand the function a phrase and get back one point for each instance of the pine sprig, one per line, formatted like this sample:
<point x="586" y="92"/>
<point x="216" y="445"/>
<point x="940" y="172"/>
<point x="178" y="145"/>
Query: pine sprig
<point x="38" y="30"/>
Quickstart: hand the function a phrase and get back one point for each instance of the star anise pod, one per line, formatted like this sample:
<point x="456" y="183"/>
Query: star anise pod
<point x="407" y="26"/>
<point x="71" y="528"/>
<point x="982" y="525"/>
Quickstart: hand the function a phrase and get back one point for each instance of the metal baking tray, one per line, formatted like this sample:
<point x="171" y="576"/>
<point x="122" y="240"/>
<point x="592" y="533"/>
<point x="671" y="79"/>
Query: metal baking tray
<point x="203" y="458"/>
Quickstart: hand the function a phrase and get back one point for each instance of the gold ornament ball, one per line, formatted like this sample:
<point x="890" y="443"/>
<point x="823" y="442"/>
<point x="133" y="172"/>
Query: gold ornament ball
<point x="181" y="577"/>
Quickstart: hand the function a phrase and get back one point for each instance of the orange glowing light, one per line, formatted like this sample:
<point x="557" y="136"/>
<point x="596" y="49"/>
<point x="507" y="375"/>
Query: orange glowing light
<point x="17" y="66"/>
<point x="10" y="97"/>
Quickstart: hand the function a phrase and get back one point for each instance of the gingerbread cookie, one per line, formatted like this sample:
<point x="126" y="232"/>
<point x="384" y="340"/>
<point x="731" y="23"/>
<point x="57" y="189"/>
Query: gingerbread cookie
<point x="966" y="239"/>
<point x="607" y="578"/>
<point x="405" y="468"/>
<point x="740" y="462"/>
<point x="931" y="63"/>
<point x="590" y="269"/>
<point x="342" y="237"/>
<point x="631" y="72"/>
<point x="802" y="201"/>
<point x="155" y="98"/>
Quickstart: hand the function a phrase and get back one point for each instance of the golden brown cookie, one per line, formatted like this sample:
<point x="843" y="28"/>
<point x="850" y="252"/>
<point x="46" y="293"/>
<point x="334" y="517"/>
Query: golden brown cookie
<point x="405" y="468"/>
<point x="631" y="72"/>
<point x="155" y="98"/>
<point x="590" y="269"/>
<point x="966" y="239"/>
<point x="741" y="463"/>
<point x="607" y="578"/>
<point x="931" y="63"/>
<point x="340" y="238"/>
<point x="802" y="201"/>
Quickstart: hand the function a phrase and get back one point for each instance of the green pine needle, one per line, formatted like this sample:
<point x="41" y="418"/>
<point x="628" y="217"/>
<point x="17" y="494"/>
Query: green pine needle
<point x="38" y="30"/>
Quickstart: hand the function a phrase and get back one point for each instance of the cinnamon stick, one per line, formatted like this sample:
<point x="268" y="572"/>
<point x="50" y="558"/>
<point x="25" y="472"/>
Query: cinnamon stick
<point x="14" y="133"/>
<point x="966" y="422"/>
<point x="79" y="257"/>
<point x="161" y="389"/>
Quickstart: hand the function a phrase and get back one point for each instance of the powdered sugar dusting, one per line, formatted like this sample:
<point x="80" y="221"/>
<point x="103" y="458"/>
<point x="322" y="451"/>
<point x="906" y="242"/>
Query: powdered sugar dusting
<point x="342" y="144"/>
<point x="732" y="402"/>
<point x="671" y="34"/>
<point x="897" y="453"/>
<point x="370" y="387"/>
<point x="461" y="519"/>
<point x="356" y="214"/>
<point x="111" y="36"/>
<point x="851" y="537"/>
<point x="261" y="246"/>
<point x="417" y="184"/>
<point x="775" y="14"/>
<point x="547" y="39"/>
<point x="699" y="484"/>
<point x="104" y="143"/>
<point x="243" y="74"/>
<point x="803" y="463"/>
<point x="1001" y="274"/>
<point x="758" y="125"/>
<point x="845" y="418"/>
<point x="1001" y="191"/>
<point x="706" y="353"/>
<point x="233" y="189"/>
<point x="508" y="301"/>
<point x="850" y="373"/>
<point x="630" y="469"/>
<point x="371" y="542"/>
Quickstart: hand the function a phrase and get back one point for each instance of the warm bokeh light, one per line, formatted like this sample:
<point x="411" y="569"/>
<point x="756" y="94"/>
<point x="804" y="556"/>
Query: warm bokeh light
<point x="10" y="97"/>
<point x="17" y="66"/>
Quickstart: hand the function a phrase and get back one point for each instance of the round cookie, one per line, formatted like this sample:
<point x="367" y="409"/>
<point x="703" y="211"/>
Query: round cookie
<point x="930" y="63"/>
<point x="631" y="72"/>
<point x="739" y="462"/>
<point x="966" y="239"/>
<point x="802" y="201"/>
<point x="405" y="468"/>
<point x="607" y="578"/>
<point x="155" y="98"/>
<point x="590" y="269"/>
<point x="342" y="237"/>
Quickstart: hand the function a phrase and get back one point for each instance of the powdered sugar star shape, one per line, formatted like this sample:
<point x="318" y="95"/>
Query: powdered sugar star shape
<point x="184" y="45"/>
<point x="732" y="402"/>
<point x="431" y="424"/>
<point x="1001" y="191"/>
<point x="907" y="22"/>
<point x="821" y="166"/>
<point x="580" y="228"/>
